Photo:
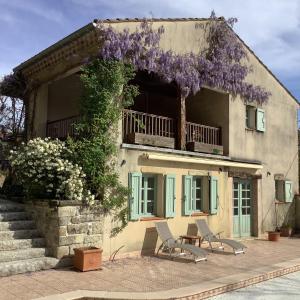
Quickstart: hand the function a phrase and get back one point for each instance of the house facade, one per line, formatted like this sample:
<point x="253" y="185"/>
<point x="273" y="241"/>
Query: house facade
<point x="234" y="163"/>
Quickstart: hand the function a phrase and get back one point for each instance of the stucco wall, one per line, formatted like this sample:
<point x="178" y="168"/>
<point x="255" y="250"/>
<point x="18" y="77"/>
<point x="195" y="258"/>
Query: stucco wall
<point x="210" y="108"/>
<point x="276" y="148"/>
<point x="63" y="101"/>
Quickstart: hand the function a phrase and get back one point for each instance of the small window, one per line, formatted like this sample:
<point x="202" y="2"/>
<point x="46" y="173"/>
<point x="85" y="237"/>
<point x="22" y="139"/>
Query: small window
<point x="284" y="190"/>
<point x="148" y="195"/>
<point x="279" y="190"/>
<point x="250" y="117"/>
<point x="197" y="194"/>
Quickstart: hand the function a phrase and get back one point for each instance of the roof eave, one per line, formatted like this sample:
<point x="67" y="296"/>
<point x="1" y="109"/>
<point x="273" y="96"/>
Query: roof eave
<point x="73" y="36"/>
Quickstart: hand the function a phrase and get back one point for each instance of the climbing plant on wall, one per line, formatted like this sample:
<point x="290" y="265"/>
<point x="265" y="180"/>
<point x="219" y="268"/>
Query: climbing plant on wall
<point x="218" y="66"/>
<point x="106" y="92"/>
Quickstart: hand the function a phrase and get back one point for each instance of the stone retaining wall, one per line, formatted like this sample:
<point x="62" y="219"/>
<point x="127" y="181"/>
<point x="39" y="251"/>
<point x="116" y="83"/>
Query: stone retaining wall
<point x="67" y="225"/>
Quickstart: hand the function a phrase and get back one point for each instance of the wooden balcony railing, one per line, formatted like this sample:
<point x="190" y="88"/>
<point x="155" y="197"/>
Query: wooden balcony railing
<point x="148" y="129"/>
<point x="203" y="134"/>
<point x="61" y="128"/>
<point x="138" y="122"/>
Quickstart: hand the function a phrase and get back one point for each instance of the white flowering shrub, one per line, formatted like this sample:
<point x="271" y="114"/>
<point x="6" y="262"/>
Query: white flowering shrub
<point x="42" y="168"/>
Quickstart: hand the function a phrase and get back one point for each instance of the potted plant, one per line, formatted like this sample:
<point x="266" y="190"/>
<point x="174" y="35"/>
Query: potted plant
<point x="286" y="230"/>
<point x="273" y="236"/>
<point x="87" y="258"/>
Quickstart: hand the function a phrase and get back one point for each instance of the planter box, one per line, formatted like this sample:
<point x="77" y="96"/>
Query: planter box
<point x="286" y="231"/>
<point x="273" y="236"/>
<point x="87" y="258"/>
<point x="206" y="148"/>
<point x="152" y="140"/>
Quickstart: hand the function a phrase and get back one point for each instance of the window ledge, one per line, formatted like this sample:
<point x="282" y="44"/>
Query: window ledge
<point x="250" y="129"/>
<point x="151" y="218"/>
<point x="198" y="214"/>
<point x="280" y="202"/>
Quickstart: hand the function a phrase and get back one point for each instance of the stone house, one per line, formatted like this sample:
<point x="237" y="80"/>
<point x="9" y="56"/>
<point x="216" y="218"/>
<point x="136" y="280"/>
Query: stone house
<point x="234" y="163"/>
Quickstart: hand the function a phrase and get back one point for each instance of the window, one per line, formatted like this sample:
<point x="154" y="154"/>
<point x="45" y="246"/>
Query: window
<point x="284" y="190"/>
<point x="200" y="194"/>
<point x="197" y="194"/>
<point x="143" y="195"/>
<point x="250" y="116"/>
<point x="148" y="197"/>
<point x="255" y="118"/>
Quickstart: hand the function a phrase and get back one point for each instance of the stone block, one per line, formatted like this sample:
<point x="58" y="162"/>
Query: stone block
<point x="78" y="228"/>
<point x="71" y="239"/>
<point x="93" y="239"/>
<point x="62" y="230"/>
<point x="62" y="251"/>
<point x="86" y="218"/>
<point x="63" y="221"/>
<point x="68" y="211"/>
<point x="97" y="227"/>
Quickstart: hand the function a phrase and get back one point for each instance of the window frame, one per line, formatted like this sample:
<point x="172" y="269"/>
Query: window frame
<point x="250" y="109"/>
<point x="193" y="195"/>
<point x="144" y="195"/>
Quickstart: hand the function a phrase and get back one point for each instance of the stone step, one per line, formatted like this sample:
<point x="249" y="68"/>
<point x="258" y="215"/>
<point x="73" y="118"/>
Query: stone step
<point x="27" y="265"/>
<point x="19" y="234"/>
<point x="15" y="225"/>
<point x="21" y="244"/>
<point x="11" y="207"/>
<point x="13" y="216"/>
<point x="22" y="254"/>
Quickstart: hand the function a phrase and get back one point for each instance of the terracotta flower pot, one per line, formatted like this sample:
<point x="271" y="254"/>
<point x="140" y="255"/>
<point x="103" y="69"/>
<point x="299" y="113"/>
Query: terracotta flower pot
<point x="286" y="231"/>
<point x="273" y="236"/>
<point x="87" y="258"/>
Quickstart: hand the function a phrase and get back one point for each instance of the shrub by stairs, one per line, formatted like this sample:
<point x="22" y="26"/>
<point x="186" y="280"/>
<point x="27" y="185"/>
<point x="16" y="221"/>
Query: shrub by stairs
<point x="22" y="248"/>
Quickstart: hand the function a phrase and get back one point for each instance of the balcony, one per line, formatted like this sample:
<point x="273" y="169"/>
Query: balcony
<point x="148" y="129"/>
<point x="153" y="130"/>
<point x="202" y="138"/>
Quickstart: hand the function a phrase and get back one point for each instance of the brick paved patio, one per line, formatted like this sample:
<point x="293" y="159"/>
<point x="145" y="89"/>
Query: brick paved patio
<point x="152" y="274"/>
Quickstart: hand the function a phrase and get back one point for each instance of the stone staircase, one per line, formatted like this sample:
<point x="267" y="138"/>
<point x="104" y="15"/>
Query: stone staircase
<point x="22" y="248"/>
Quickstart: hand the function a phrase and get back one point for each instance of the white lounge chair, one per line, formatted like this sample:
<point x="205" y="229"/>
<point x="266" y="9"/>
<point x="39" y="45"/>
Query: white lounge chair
<point x="208" y="236"/>
<point x="170" y="244"/>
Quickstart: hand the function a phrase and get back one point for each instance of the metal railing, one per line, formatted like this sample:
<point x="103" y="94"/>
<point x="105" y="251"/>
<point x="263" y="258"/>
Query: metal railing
<point x="138" y="122"/>
<point x="203" y="134"/>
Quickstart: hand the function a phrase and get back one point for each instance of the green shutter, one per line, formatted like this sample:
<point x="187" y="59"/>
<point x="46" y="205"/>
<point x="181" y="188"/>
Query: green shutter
<point x="260" y="120"/>
<point x="187" y="199"/>
<point x="135" y="184"/>
<point x="214" y="197"/>
<point x="170" y="207"/>
<point x="288" y="191"/>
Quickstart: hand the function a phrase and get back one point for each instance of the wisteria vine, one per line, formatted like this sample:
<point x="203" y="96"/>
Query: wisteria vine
<point x="219" y="66"/>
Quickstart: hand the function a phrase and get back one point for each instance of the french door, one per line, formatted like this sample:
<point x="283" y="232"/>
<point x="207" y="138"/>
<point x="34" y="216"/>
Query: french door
<point x="241" y="207"/>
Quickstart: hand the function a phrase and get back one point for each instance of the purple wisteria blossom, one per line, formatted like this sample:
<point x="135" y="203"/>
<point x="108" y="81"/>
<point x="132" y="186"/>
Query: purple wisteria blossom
<point x="219" y="67"/>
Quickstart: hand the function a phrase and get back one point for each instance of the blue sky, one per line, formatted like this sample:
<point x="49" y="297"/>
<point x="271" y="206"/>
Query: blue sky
<point x="270" y="27"/>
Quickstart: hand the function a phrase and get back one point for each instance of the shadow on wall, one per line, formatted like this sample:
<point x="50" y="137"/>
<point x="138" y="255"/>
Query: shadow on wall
<point x="150" y="242"/>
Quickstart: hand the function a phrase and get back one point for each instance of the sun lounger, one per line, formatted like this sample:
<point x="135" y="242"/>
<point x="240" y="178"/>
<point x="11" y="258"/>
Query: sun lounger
<point x="170" y="244"/>
<point x="208" y="236"/>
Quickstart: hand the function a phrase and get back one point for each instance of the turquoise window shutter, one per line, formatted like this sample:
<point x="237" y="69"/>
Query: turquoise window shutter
<point x="288" y="191"/>
<point x="170" y="196"/>
<point x="260" y="120"/>
<point x="214" y="196"/>
<point x="187" y="199"/>
<point x="135" y="184"/>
